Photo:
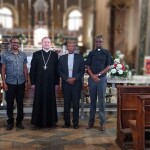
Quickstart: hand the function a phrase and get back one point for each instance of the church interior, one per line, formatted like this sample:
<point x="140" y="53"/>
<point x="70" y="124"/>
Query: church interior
<point x="125" y="27"/>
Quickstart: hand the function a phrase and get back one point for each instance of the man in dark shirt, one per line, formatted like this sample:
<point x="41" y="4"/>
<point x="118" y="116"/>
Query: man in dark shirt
<point x="98" y="63"/>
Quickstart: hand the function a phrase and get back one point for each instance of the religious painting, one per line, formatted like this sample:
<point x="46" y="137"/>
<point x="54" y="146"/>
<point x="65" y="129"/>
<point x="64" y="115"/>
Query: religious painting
<point x="147" y="65"/>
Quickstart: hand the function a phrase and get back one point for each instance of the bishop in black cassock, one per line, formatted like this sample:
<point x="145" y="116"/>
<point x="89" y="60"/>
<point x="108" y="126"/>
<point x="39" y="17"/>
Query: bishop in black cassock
<point x="44" y="75"/>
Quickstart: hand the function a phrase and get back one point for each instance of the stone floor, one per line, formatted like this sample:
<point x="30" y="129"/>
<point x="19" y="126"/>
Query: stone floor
<point x="32" y="138"/>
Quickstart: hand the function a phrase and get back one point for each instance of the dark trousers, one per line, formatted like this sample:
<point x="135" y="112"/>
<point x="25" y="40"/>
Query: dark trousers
<point x="72" y="95"/>
<point x="15" y="92"/>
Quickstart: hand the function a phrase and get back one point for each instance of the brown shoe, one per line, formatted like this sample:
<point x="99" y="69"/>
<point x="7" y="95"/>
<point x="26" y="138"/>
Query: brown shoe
<point x="90" y="125"/>
<point x="102" y="127"/>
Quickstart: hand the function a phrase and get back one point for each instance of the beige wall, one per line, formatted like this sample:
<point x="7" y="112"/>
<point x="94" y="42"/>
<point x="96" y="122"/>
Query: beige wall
<point x="88" y="27"/>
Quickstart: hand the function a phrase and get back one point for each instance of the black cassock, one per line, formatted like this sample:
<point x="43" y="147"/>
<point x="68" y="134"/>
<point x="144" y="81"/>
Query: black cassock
<point x="44" y="113"/>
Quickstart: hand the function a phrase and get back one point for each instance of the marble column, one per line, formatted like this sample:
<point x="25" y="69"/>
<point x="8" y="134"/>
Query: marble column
<point x="52" y="20"/>
<point x="148" y="32"/>
<point x="142" y="37"/>
<point x="102" y="20"/>
<point x="1" y="3"/>
<point x="29" y="21"/>
<point x="16" y="3"/>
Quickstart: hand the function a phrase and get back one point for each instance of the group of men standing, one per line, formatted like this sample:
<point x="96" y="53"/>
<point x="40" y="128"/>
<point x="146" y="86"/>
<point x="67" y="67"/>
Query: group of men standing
<point x="45" y="72"/>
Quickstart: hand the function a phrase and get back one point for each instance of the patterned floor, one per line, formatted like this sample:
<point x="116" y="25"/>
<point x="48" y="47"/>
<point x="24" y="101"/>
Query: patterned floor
<point x="32" y="138"/>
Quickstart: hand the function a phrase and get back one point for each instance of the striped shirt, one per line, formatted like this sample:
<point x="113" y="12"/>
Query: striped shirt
<point x="14" y="66"/>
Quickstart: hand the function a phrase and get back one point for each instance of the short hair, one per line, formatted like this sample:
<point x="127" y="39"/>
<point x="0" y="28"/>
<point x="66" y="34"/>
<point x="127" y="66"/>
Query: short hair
<point x="14" y="37"/>
<point x="98" y="37"/>
<point x="46" y="37"/>
<point x="71" y="41"/>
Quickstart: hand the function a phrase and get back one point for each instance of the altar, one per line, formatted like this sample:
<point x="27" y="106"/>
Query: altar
<point x="135" y="80"/>
<point x="111" y="90"/>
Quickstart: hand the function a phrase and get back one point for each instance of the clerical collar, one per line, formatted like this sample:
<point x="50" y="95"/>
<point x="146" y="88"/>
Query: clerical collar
<point x="70" y="53"/>
<point x="45" y="50"/>
<point x="98" y="49"/>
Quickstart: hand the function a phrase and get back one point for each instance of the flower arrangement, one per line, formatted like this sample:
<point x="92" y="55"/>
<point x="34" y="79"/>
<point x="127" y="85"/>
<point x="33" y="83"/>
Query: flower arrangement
<point x="22" y="38"/>
<point x="119" y="68"/>
<point x="59" y="40"/>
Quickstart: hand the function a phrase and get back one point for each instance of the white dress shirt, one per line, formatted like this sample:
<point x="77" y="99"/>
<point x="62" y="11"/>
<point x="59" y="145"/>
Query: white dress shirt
<point x="70" y="64"/>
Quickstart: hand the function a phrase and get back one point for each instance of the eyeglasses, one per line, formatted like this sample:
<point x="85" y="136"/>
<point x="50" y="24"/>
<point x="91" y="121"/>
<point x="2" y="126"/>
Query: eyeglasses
<point x="99" y="41"/>
<point x="15" y="43"/>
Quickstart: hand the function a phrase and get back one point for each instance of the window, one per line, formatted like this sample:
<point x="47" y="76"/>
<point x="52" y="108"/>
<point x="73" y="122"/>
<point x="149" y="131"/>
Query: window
<point x="39" y="33"/>
<point x="74" y="20"/>
<point x="6" y="20"/>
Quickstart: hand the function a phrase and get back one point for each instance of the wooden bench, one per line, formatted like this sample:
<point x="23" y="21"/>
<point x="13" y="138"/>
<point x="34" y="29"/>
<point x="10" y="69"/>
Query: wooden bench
<point x="142" y="123"/>
<point x="126" y="110"/>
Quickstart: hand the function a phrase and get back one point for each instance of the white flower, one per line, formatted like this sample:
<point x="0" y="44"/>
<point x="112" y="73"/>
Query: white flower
<point x="118" y="52"/>
<point x="121" y="56"/>
<point x="120" y="71"/>
<point x="119" y="66"/>
<point x="113" y="71"/>
<point x="117" y="60"/>
<point x="129" y="74"/>
<point x="112" y="66"/>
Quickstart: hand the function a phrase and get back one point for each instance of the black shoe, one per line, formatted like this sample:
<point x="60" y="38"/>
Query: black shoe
<point x="76" y="126"/>
<point x="90" y="125"/>
<point x="20" y="125"/>
<point x="66" y="125"/>
<point x="10" y="126"/>
<point x="54" y="126"/>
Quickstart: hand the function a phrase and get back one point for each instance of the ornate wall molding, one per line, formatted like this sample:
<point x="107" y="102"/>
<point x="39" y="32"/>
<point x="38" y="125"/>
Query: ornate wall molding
<point x="120" y="5"/>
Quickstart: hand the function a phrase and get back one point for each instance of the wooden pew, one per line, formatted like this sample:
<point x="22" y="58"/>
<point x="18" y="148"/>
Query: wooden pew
<point x="126" y="110"/>
<point x="142" y="122"/>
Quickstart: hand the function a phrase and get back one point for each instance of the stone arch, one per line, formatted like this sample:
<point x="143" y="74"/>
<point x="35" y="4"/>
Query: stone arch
<point x="14" y="13"/>
<point x="65" y="16"/>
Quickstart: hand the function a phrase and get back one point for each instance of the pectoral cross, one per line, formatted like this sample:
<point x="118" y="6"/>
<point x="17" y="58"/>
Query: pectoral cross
<point x="44" y="67"/>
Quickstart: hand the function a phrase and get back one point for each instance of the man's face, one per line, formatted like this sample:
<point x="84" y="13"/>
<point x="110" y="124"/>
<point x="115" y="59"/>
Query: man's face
<point x="99" y="42"/>
<point x="46" y="43"/>
<point x="70" y="47"/>
<point x="14" y="44"/>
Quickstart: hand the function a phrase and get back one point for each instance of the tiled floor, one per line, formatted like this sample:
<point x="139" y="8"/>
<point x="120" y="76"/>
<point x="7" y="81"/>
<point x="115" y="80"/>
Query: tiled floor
<point x="32" y="138"/>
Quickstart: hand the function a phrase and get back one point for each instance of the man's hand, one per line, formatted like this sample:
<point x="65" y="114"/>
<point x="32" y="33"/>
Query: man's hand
<point x="26" y="85"/>
<point x="5" y="87"/>
<point x="57" y="88"/>
<point x="71" y="81"/>
<point x="95" y="78"/>
<point x="32" y="86"/>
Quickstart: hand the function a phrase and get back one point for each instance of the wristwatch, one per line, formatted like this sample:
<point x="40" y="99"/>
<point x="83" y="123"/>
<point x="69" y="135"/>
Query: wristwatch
<point x="99" y="75"/>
